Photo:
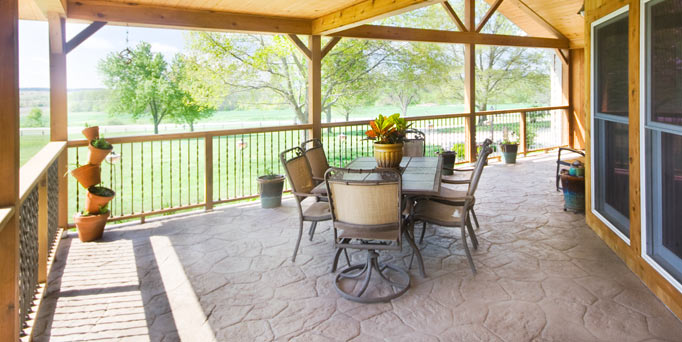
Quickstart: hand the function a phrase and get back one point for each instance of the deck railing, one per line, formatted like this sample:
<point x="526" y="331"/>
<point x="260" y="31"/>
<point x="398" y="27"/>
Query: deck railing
<point x="159" y="174"/>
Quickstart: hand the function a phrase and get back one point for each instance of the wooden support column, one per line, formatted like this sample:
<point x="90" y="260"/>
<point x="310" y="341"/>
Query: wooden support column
<point x="9" y="170"/>
<point x="315" y="86"/>
<point x="523" y="133"/>
<point x="566" y="91"/>
<point x="58" y="106"/>
<point x="470" y="84"/>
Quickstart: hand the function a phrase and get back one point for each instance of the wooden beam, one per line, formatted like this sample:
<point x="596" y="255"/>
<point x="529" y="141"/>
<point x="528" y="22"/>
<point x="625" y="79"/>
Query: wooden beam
<point x="83" y="35"/>
<point x="58" y="105"/>
<point x="330" y="45"/>
<point x="51" y="6"/>
<point x="299" y="44"/>
<point x="537" y="18"/>
<point x="488" y="14"/>
<point x="453" y="15"/>
<point x="365" y="12"/>
<point x="315" y="86"/>
<point x="161" y="16"/>
<point x="9" y="170"/>
<point x="448" y="37"/>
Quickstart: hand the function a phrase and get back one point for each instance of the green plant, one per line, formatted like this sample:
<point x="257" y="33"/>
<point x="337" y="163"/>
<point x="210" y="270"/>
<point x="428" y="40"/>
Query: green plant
<point x="269" y="174"/>
<point x="102" y="210"/>
<point x="510" y="138"/>
<point x="387" y="129"/>
<point x="101" y="143"/>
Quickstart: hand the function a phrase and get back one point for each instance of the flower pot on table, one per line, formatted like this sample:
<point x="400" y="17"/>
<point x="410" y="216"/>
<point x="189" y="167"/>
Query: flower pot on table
<point x="388" y="155"/>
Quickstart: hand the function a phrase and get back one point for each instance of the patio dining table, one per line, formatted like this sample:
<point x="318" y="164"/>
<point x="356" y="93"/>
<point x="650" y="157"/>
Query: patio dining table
<point x="421" y="175"/>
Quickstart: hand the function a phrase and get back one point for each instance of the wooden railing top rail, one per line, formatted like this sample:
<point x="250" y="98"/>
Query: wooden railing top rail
<point x="189" y="135"/>
<point x="5" y="214"/>
<point x="447" y="116"/>
<point x="31" y="173"/>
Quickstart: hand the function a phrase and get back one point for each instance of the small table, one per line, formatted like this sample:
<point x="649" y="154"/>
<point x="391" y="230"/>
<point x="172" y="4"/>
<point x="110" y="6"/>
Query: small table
<point x="421" y="175"/>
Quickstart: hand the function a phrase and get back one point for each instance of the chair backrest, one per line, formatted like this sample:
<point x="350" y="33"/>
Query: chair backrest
<point x="298" y="170"/>
<point x="365" y="202"/>
<point x="414" y="144"/>
<point x="478" y="170"/>
<point x="314" y="151"/>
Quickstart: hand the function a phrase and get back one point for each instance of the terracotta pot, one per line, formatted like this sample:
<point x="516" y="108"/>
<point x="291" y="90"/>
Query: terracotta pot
<point x="93" y="202"/>
<point x="91" y="133"/>
<point x="90" y="228"/>
<point x="97" y="155"/>
<point x="388" y="155"/>
<point x="87" y="175"/>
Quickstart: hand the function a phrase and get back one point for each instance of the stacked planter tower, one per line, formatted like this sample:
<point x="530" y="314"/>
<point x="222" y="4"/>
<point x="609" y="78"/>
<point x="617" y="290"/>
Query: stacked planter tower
<point x="90" y="222"/>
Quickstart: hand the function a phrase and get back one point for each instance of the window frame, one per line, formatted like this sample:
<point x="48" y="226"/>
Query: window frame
<point x="596" y="115"/>
<point x="649" y="147"/>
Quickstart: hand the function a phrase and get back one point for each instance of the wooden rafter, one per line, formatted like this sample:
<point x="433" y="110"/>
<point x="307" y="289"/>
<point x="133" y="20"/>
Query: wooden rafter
<point x="300" y="45"/>
<point x="488" y="14"/>
<point x="537" y="18"/>
<point x="453" y="15"/>
<point x="563" y="54"/>
<point x="51" y="6"/>
<point x="363" y="13"/>
<point x="440" y="36"/>
<point x="330" y="45"/>
<point x="83" y="35"/>
<point x="150" y="15"/>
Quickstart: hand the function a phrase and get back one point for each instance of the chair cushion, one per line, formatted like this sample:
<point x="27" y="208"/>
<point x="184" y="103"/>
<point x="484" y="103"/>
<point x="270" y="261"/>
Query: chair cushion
<point x="368" y="234"/>
<point x="458" y="177"/>
<point x="439" y="213"/>
<point x="451" y="193"/>
<point x="317" y="211"/>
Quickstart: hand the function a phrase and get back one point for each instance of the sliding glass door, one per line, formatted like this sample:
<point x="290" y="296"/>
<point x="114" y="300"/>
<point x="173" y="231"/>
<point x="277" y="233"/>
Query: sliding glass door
<point x="663" y="130"/>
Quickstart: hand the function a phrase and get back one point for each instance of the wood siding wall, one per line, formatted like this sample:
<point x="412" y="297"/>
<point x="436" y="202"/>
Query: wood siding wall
<point x="631" y="254"/>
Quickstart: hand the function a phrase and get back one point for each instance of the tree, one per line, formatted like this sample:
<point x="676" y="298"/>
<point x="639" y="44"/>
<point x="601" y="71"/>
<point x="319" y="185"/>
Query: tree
<point x="245" y="62"/>
<point x="197" y="100"/>
<point x="35" y="118"/>
<point x="140" y="84"/>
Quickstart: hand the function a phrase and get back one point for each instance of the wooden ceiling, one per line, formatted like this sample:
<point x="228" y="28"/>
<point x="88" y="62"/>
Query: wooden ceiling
<point x="539" y="18"/>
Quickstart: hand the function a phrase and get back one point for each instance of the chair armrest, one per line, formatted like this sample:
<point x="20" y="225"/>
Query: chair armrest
<point x="582" y="153"/>
<point x="459" y="181"/>
<point x="305" y="194"/>
<point x="318" y="178"/>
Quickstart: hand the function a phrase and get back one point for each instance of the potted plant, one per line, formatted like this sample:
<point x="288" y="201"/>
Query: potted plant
<point x="90" y="225"/>
<point x="450" y="157"/>
<point x="270" y="187"/>
<point x="90" y="133"/>
<point x="509" y="146"/>
<point x="388" y="134"/>
<point x="87" y="175"/>
<point x="99" y="149"/>
<point x="98" y="197"/>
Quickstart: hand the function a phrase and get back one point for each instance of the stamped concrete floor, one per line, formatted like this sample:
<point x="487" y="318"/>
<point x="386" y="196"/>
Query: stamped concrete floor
<point x="227" y="275"/>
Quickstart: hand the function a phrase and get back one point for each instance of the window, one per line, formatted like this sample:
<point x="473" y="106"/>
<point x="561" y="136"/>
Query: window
<point x="610" y="122"/>
<point x="663" y="128"/>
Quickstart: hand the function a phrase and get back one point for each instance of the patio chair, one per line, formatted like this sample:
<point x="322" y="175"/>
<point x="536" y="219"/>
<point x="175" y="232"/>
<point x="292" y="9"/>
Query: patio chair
<point x="454" y="211"/>
<point x="463" y="176"/>
<point x="366" y="214"/>
<point x="566" y="162"/>
<point x="414" y="144"/>
<point x="314" y="151"/>
<point x="301" y="180"/>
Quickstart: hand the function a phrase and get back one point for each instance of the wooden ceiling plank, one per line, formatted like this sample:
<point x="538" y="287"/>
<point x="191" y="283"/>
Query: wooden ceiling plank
<point x="449" y="37"/>
<point x="83" y="35"/>
<point x="488" y="14"/>
<point x="365" y="12"/>
<point x="160" y="16"/>
<point x="300" y="45"/>
<point x="453" y="15"/>
<point x="537" y="18"/>
<point x="330" y="45"/>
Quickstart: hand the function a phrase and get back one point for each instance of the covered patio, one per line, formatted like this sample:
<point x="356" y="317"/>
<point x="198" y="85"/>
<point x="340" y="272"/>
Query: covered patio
<point x="543" y="274"/>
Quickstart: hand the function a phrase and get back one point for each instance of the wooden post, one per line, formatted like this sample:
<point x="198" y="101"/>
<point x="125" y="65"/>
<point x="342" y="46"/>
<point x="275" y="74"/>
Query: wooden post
<point x="208" y="171"/>
<point x="9" y="170"/>
<point x="470" y="84"/>
<point x="58" y="107"/>
<point x="43" y="241"/>
<point x="566" y="122"/>
<point x="315" y="86"/>
<point x="522" y="133"/>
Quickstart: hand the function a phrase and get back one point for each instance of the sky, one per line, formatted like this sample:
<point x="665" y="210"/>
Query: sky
<point x="34" y="64"/>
